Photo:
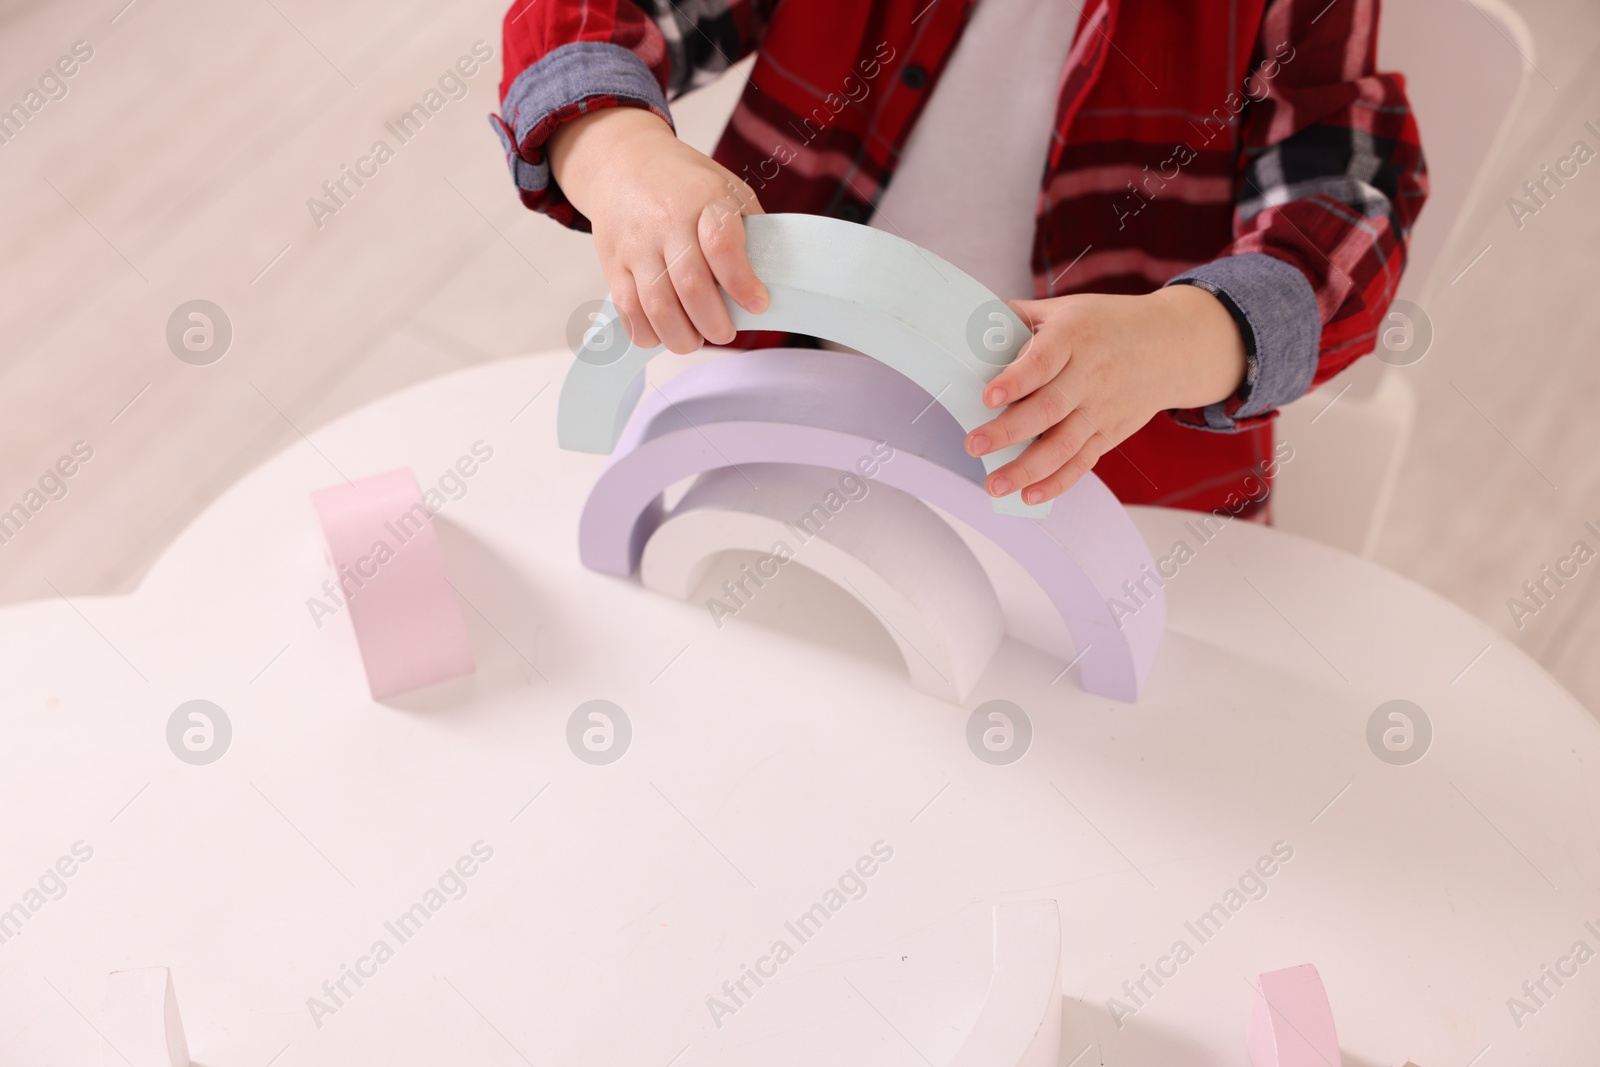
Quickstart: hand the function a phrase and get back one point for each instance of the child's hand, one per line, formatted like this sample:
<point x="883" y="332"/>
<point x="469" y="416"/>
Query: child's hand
<point x="667" y="223"/>
<point x="1097" y="369"/>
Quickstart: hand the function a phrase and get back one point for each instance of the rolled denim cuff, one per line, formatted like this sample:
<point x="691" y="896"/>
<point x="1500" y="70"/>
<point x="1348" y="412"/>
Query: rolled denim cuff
<point x="571" y="79"/>
<point x="1278" y="318"/>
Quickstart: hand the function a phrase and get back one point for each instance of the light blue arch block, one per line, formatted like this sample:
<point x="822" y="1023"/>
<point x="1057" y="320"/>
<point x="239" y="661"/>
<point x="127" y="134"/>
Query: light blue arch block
<point x="849" y="284"/>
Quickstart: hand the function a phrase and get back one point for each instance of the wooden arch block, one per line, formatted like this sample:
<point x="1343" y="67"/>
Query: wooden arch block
<point x="836" y="411"/>
<point x="886" y="549"/>
<point x="390" y="573"/>
<point x="1020" y="1022"/>
<point x="142" y="1026"/>
<point x="1291" y="1023"/>
<point x="850" y="284"/>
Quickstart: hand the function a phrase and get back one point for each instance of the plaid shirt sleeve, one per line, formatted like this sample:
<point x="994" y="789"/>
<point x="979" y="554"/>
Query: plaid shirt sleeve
<point x="1331" y="180"/>
<point x="564" y="58"/>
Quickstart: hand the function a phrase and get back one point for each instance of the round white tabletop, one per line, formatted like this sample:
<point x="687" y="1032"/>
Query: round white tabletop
<point x="1436" y="886"/>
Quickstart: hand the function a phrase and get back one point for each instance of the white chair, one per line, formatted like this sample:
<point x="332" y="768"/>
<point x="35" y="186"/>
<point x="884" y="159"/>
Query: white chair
<point x="1464" y="77"/>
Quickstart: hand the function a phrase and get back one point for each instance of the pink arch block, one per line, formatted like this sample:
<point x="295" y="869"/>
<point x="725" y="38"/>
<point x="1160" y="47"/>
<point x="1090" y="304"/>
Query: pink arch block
<point x="828" y="409"/>
<point x="1291" y="1023"/>
<point x="386" y="558"/>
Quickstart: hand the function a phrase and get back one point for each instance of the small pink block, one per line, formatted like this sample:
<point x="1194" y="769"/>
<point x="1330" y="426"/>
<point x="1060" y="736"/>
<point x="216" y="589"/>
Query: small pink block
<point x="1291" y="1024"/>
<point x="391" y="576"/>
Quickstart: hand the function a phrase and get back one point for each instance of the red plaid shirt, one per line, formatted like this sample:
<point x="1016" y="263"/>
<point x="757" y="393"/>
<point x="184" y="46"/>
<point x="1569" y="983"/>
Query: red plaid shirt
<point x="1189" y="134"/>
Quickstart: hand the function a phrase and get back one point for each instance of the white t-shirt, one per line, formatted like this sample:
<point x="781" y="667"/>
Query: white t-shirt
<point x="967" y="186"/>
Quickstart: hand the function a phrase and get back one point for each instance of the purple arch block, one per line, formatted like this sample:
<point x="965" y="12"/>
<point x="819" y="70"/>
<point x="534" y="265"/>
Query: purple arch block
<point x="828" y="409"/>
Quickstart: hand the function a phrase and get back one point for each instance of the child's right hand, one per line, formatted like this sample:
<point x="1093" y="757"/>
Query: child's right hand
<point x="667" y="223"/>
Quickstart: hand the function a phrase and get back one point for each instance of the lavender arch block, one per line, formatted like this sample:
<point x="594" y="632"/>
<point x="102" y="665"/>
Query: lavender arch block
<point x="850" y="284"/>
<point x="828" y="409"/>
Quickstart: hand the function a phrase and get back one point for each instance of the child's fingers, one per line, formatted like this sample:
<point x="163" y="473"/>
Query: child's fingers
<point x="1034" y="312"/>
<point x="625" y="298"/>
<point x="1069" y="473"/>
<point x="665" y="313"/>
<point x="721" y="232"/>
<point x="1041" y="360"/>
<point x="742" y="198"/>
<point x="698" y="293"/>
<point x="1055" y="447"/>
<point x="1029" y="417"/>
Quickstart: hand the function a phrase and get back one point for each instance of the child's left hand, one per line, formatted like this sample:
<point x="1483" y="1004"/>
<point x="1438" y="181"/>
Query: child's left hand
<point x="1097" y="369"/>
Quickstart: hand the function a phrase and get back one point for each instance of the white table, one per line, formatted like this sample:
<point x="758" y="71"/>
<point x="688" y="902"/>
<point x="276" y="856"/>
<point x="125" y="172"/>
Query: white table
<point x="766" y="757"/>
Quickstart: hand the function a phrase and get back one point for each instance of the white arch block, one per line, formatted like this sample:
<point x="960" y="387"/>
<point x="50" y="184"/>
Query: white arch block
<point x="886" y="549"/>
<point x="1019" y="1024"/>
<point x="851" y="284"/>
<point x="142" y="1026"/>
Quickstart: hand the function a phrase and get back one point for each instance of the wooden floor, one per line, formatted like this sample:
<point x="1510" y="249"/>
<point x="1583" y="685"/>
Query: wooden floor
<point x="180" y="161"/>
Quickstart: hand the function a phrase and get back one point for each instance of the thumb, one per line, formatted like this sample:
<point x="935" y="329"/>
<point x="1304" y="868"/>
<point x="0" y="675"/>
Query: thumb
<point x="722" y="244"/>
<point x="1032" y="312"/>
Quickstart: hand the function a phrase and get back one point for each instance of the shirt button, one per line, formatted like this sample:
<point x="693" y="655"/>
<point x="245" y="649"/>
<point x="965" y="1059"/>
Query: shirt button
<point x="914" y="76"/>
